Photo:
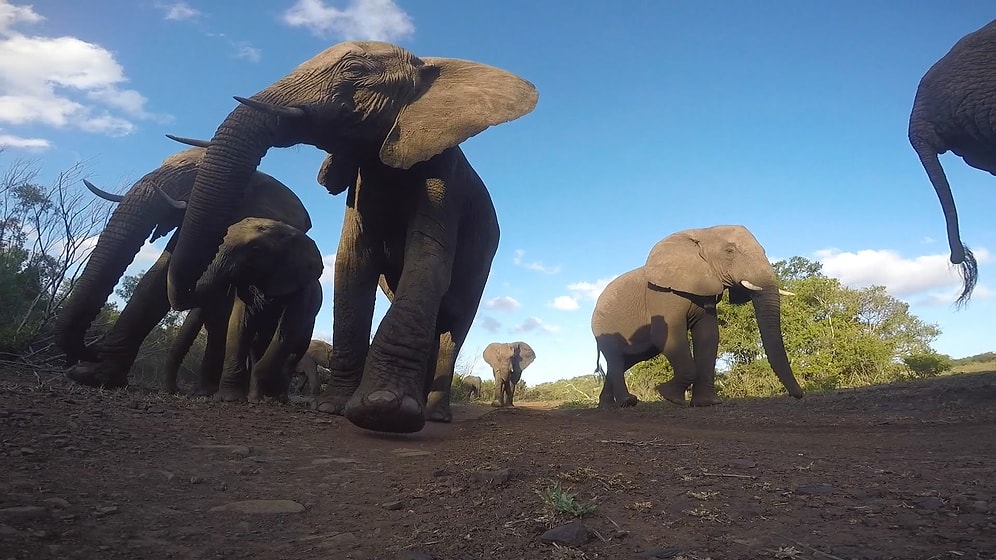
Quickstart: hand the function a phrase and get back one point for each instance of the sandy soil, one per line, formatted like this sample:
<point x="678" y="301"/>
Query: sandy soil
<point x="900" y="471"/>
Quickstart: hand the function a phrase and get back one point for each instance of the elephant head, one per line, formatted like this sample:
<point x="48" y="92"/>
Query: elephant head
<point x="508" y="359"/>
<point x="707" y="261"/>
<point x="140" y="213"/>
<point x="264" y="257"/>
<point x="954" y="110"/>
<point x="366" y="103"/>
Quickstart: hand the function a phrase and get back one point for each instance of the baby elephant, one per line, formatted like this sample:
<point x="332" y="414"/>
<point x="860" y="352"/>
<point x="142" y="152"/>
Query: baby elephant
<point x="273" y="270"/>
<point x="319" y="354"/>
<point x="650" y="310"/>
<point x="507" y="360"/>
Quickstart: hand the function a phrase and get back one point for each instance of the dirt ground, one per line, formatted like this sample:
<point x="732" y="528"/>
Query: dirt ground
<point x="901" y="471"/>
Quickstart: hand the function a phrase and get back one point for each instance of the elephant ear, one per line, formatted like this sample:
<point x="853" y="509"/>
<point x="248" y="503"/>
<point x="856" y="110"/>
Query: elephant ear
<point x="462" y="99"/>
<point x="526" y="355"/>
<point x="678" y="262"/>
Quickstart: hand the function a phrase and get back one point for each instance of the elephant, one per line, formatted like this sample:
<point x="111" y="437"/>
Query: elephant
<point x="507" y="360"/>
<point x="141" y="213"/>
<point x="650" y="310"/>
<point x="473" y="385"/>
<point x="416" y="212"/>
<point x="319" y="354"/>
<point x="273" y="270"/>
<point x="954" y="109"/>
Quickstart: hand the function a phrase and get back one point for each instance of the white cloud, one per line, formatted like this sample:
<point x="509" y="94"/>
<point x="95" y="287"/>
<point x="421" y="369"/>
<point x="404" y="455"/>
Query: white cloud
<point x="178" y="11"/>
<point x="900" y="276"/>
<point x="948" y="297"/>
<point x="375" y="20"/>
<point x="328" y="273"/>
<point x="564" y="303"/>
<point x="535" y="323"/>
<point x="490" y="324"/>
<point x="11" y="141"/>
<point x="537" y="266"/>
<point x="503" y="303"/>
<point x="10" y="15"/>
<point x="62" y="81"/>
<point x="589" y="290"/>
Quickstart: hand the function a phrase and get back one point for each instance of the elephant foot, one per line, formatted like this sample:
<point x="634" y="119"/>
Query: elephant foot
<point x="673" y="391"/>
<point x="437" y="408"/>
<point x="231" y="394"/>
<point x="97" y="374"/>
<point x="497" y="404"/>
<point x="705" y="398"/>
<point x="383" y="410"/>
<point x="606" y="403"/>
<point x="628" y="401"/>
<point x="333" y="400"/>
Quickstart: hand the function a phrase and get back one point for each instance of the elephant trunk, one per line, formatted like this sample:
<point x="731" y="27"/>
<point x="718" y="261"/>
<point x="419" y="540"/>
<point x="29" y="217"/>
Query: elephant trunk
<point x="960" y="254"/>
<point x="134" y="219"/>
<point x="235" y="151"/>
<point x="767" y="308"/>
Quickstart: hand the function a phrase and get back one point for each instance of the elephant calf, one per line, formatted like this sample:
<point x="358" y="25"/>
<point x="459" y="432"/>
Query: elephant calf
<point x="650" y="310"/>
<point x="319" y="354"/>
<point x="274" y="271"/>
<point x="507" y="360"/>
<point x="473" y="385"/>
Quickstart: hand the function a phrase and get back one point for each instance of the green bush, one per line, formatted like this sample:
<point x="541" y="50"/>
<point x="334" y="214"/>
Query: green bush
<point x="927" y="364"/>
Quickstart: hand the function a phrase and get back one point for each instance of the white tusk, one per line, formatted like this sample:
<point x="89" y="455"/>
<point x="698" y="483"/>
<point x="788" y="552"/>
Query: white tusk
<point x="103" y="194"/>
<point x="178" y="204"/>
<point x="273" y="109"/>
<point x="785" y="292"/>
<point x="747" y="284"/>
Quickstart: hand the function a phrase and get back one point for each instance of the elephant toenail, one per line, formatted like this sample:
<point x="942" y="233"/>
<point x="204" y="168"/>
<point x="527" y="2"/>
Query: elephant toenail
<point x="410" y="406"/>
<point x="381" y="399"/>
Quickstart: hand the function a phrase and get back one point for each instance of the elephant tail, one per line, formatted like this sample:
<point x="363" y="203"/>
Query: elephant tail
<point x="599" y="372"/>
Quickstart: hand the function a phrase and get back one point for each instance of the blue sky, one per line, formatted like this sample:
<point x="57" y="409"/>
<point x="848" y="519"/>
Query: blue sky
<point x="653" y="117"/>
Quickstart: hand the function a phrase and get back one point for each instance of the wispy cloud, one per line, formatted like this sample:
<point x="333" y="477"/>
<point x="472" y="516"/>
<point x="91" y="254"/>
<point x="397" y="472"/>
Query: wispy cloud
<point x="590" y="290"/>
<point x="502" y="303"/>
<point x="375" y="20"/>
<point x="62" y="82"/>
<point x="248" y="52"/>
<point x="902" y="277"/>
<point x="518" y="260"/>
<point x="11" y="141"/>
<point x="328" y="273"/>
<point x="533" y="324"/>
<point x="178" y="11"/>
<point x="489" y="324"/>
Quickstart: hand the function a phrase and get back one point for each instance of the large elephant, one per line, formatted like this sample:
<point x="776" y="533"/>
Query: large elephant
<point x="417" y="212"/>
<point x="507" y="360"/>
<point x="955" y="109"/>
<point x="650" y="310"/>
<point x="273" y="270"/>
<point x="319" y="354"/>
<point x="139" y="214"/>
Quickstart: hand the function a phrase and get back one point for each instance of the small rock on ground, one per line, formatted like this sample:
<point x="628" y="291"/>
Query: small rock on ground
<point x="262" y="506"/>
<point x="573" y="533"/>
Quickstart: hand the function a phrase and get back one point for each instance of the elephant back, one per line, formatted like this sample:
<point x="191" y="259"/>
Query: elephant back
<point x="266" y="197"/>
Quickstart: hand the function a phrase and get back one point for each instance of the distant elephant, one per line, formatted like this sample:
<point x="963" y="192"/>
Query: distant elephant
<point x="955" y="109"/>
<point x="473" y="385"/>
<point x="507" y="360"/>
<point x="416" y="212"/>
<point x="319" y="354"/>
<point x="649" y="310"/>
<point x="273" y="269"/>
<point x="139" y="214"/>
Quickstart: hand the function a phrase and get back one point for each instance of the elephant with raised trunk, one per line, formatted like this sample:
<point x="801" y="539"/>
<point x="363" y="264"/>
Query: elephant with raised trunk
<point x="507" y="360"/>
<point x="650" y="310"/>
<point x="955" y="109"/>
<point x="142" y="213"/>
<point x="273" y="270"/>
<point x="416" y="212"/>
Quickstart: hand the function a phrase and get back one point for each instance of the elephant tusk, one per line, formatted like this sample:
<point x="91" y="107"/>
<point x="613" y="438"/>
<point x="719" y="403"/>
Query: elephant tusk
<point x="750" y="286"/>
<point x="189" y="141"/>
<point x="178" y="204"/>
<point x="278" y="110"/>
<point x="785" y="292"/>
<point x="103" y="194"/>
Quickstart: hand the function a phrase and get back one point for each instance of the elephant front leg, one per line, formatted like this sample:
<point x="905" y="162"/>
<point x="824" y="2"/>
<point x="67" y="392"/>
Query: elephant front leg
<point x="705" y="346"/>
<point x="119" y="348"/>
<point x="675" y="347"/>
<point x="391" y="395"/>
<point x="357" y="269"/>
<point x="499" y="399"/>
<point x="234" y="383"/>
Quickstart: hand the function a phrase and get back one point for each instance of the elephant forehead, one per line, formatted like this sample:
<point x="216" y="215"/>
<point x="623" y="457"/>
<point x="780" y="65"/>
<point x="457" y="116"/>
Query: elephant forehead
<point x="192" y="156"/>
<point x="367" y="49"/>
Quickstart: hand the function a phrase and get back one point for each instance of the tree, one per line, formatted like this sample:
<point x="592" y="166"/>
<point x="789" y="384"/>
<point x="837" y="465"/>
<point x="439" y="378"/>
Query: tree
<point x="45" y="235"/>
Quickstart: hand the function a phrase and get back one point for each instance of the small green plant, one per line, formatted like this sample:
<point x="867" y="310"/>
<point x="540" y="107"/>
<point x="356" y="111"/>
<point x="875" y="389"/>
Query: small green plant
<point x="563" y="501"/>
<point x="575" y="404"/>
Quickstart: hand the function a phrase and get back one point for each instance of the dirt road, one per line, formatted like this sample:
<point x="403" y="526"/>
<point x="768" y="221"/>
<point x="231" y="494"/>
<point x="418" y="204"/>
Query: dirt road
<point x="904" y="471"/>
